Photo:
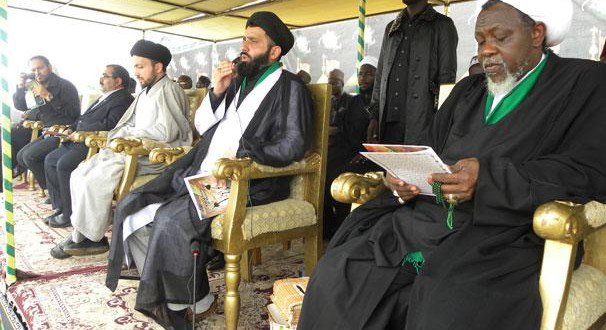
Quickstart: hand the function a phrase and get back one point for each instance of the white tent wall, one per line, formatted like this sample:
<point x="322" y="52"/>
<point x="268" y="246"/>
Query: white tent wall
<point x="79" y="50"/>
<point x="321" y="48"/>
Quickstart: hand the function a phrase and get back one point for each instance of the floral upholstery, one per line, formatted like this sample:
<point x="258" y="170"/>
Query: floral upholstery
<point x="273" y="217"/>
<point x="595" y="213"/>
<point x="587" y="298"/>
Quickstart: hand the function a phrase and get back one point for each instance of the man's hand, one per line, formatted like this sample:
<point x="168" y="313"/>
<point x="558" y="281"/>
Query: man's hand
<point x="400" y="188"/>
<point x="40" y="90"/>
<point x="357" y="160"/>
<point x="21" y="80"/>
<point x="222" y="76"/>
<point x="372" y="134"/>
<point x="460" y="185"/>
<point x="221" y="184"/>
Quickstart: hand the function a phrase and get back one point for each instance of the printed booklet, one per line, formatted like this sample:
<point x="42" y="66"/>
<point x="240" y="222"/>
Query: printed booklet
<point x="410" y="163"/>
<point x="209" y="199"/>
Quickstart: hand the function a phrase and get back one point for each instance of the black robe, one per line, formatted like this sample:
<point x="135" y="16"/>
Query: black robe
<point x="279" y="133"/>
<point x="484" y="273"/>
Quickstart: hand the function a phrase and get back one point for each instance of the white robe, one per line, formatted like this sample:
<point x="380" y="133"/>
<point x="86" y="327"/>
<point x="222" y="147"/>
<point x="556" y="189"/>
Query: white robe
<point x="232" y="124"/>
<point x="159" y="114"/>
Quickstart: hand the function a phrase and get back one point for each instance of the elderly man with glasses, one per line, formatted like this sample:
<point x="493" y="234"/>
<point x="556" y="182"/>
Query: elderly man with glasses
<point x="56" y="165"/>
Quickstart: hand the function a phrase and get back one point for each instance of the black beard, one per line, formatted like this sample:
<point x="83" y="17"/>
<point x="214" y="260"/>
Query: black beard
<point x="252" y="67"/>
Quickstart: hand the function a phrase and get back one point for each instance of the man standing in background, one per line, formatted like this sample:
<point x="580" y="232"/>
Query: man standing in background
<point x="418" y="54"/>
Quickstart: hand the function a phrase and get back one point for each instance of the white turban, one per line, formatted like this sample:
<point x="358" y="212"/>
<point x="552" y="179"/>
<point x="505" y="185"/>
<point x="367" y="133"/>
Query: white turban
<point x="370" y="60"/>
<point x="555" y="14"/>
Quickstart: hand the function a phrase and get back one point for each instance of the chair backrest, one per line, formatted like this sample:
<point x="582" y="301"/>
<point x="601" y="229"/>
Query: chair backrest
<point x="301" y="188"/>
<point x="195" y="96"/>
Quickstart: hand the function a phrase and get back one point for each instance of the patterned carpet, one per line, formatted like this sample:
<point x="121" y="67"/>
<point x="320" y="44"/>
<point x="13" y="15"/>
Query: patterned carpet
<point x="70" y="293"/>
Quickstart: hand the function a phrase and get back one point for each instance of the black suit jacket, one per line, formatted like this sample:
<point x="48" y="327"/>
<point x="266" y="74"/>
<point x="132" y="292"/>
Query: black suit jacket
<point x="105" y="115"/>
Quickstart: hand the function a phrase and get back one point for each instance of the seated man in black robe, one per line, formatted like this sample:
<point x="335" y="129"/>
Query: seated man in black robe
<point x="266" y="114"/>
<point x="527" y="132"/>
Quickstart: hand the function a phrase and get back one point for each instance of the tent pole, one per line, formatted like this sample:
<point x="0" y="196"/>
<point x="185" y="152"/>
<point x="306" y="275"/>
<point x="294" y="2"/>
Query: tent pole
<point x="7" y="168"/>
<point x="361" y="27"/>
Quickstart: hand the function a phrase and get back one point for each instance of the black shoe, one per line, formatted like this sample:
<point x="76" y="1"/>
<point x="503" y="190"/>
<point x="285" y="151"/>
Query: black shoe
<point x="216" y="263"/>
<point x="87" y="247"/>
<point x="59" y="221"/>
<point x="57" y="251"/>
<point x="17" y="171"/>
<point x="171" y="320"/>
<point x="47" y="219"/>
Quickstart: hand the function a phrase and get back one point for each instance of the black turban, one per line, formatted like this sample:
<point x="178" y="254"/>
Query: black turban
<point x="151" y="50"/>
<point x="274" y="27"/>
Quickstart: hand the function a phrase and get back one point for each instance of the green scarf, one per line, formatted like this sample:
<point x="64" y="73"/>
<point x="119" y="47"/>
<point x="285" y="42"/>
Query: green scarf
<point x="271" y="69"/>
<point x="513" y="98"/>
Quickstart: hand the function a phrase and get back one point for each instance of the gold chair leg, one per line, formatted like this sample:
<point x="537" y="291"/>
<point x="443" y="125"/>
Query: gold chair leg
<point x="286" y="245"/>
<point x="312" y="252"/>
<point x="556" y="272"/>
<point x="246" y="266"/>
<point x="42" y="192"/>
<point x="256" y="257"/>
<point x="232" y="296"/>
<point x="31" y="184"/>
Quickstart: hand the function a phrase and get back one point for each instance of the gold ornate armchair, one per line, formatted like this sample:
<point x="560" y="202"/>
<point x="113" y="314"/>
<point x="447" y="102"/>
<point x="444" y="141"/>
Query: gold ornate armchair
<point x="572" y="299"/>
<point x="133" y="148"/>
<point x="36" y="127"/>
<point x="243" y="229"/>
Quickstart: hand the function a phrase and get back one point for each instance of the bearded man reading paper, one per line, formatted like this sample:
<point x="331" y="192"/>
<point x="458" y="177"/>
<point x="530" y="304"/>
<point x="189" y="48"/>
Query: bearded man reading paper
<point x="527" y="132"/>
<point x="266" y="114"/>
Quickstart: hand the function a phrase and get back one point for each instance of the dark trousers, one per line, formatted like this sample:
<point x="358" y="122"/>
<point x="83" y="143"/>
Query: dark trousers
<point x="32" y="156"/>
<point x="338" y="162"/>
<point x="58" y="167"/>
<point x="20" y="137"/>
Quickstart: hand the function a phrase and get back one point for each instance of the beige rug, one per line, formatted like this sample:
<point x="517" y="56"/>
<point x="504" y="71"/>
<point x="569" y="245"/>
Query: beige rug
<point x="70" y="293"/>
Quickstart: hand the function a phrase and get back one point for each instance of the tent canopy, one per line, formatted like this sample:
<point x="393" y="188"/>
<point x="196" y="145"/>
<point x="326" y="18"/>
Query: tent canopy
<point x="210" y="20"/>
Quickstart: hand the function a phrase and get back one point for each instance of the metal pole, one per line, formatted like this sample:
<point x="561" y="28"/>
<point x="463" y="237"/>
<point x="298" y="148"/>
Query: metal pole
<point x="361" y="27"/>
<point x="7" y="168"/>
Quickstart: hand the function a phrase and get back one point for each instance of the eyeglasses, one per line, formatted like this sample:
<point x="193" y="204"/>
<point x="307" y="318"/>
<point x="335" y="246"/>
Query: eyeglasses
<point x="106" y="76"/>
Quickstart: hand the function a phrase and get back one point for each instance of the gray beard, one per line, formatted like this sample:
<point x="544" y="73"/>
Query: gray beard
<point x="505" y="86"/>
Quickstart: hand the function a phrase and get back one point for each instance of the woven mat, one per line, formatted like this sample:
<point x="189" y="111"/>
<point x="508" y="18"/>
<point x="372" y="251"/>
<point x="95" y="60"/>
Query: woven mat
<point x="70" y="293"/>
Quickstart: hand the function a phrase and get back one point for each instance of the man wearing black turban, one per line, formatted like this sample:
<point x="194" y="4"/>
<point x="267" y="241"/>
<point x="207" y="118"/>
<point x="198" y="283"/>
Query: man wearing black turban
<point x="264" y="113"/>
<point x="157" y="114"/>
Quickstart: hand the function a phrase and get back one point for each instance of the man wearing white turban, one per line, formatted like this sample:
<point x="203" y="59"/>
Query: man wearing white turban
<point x="528" y="131"/>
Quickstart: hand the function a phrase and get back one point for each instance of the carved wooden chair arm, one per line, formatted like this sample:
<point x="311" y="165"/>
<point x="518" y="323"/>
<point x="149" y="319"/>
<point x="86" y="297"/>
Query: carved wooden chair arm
<point x="92" y="140"/>
<point x="568" y="222"/>
<point x="246" y="169"/>
<point x="33" y="124"/>
<point x="57" y="128"/>
<point x="167" y="156"/>
<point x="134" y="146"/>
<point x="353" y="188"/>
<point x="81" y="136"/>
